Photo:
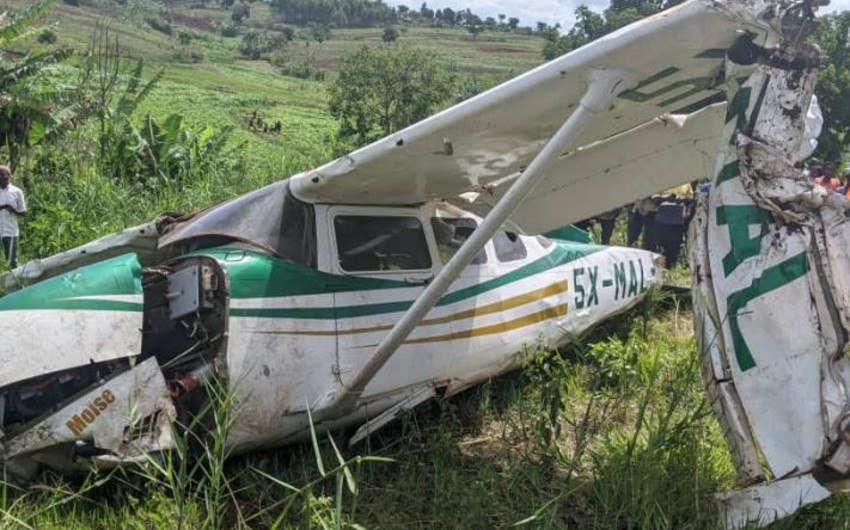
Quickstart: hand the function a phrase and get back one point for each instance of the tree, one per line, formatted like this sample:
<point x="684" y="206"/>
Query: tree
<point x="382" y="89"/>
<point x="240" y="12"/>
<point x="390" y="34"/>
<point x="426" y="13"/>
<point x="513" y="22"/>
<point x="255" y="44"/>
<point x="474" y="29"/>
<point x="833" y="89"/>
<point x="449" y="16"/>
<point x="320" y="32"/>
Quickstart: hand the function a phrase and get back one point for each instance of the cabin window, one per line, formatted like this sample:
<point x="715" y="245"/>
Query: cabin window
<point x="372" y="243"/>
<point x="451" y="233"/>
<point x="509" y="246"/>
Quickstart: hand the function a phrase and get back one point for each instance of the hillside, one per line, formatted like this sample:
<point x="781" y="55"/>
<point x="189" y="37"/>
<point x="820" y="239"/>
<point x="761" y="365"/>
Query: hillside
<point x="209" y="82"/>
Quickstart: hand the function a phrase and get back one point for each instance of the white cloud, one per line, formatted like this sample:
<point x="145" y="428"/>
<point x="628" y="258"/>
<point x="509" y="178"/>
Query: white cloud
<point x="529" y="12"/>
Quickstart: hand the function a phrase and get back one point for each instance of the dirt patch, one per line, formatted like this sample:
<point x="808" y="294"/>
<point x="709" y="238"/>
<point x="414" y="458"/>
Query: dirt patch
<point x="492" y="48"/>
<point x="329" y="63"/>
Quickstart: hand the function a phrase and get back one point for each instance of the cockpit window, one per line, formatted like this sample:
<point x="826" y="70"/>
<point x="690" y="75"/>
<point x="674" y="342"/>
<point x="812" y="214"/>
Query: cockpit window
<point x="451" y="233"/>
<point x="509" y="246"/>
<point x="373" y="243"/>
<point x="270" y="218"/>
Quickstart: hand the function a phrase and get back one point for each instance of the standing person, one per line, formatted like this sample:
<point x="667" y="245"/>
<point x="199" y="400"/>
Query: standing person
<point x="640" y="219"/>
<point x="12" y="206"/>
<point x="670" y="221"/>
<point x="608" y="220"/>
<point x="815" y="170"/>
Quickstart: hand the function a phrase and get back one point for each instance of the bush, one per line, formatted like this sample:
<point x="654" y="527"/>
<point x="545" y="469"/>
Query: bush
<point x="256" y="44"/>
<point x="240" y="12"/>
<point x="300" y="67"/>
<point x="188" y="55"/>
<point x="229" y="30"/>
<point x="47" y="37"/>
<point x="160" y="25"/>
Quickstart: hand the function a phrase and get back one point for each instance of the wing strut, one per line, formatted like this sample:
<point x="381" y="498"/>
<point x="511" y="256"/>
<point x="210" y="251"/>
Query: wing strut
<point x="603" y="87"/>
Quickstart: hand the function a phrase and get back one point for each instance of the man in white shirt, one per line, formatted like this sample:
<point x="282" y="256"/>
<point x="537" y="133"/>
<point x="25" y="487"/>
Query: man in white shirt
<point x="12" y="206"/>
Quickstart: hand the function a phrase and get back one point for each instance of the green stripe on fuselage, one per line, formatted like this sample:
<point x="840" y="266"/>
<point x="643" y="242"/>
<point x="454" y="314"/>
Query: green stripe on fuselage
<point x="79" y="289"/>
<point x="257" y="275"/>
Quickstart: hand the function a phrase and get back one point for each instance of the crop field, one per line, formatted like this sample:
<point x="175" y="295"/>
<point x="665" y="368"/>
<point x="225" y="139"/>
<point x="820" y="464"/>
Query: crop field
<point x="612" y="432"/>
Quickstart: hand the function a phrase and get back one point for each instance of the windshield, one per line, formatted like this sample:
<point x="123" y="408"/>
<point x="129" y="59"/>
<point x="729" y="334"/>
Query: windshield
<point x="270" y="218"/>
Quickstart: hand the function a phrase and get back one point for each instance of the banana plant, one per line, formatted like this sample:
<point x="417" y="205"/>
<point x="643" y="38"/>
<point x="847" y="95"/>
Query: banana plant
<point x="171" y="151"/>
<point x="31" y="112"/>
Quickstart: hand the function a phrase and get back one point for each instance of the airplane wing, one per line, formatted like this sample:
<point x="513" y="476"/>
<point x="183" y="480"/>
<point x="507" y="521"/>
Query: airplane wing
<point x="678" y="57"/>
<point x="660" y="154"/>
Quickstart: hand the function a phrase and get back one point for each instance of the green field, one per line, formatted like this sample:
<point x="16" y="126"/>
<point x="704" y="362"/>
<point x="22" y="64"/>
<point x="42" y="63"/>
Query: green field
<point x="225" y="88"/>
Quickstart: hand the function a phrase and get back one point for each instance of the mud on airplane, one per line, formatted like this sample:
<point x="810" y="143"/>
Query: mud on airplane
<point x="414" y="266"/>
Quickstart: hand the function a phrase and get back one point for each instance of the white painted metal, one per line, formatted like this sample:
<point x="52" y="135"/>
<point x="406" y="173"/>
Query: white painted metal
<point x="408" y="401"/>
<point x="136" y="400"/>
<point x="455" y="347"/>
<point x="66" y="338"/>
<point x="763" y="504"/>
<point x="141" y="240"/>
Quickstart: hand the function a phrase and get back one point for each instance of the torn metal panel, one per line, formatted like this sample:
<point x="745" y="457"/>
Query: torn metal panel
<point x="757" y="265"/>
<point x="128" y="415"/>
<point x="768" y="256"/>
<point x="410" y="400"/>
<point x="763" y="504"/>
<point x="85" y="316"/>
<point x="716" y="372"/>
<point x="140" y="240"/>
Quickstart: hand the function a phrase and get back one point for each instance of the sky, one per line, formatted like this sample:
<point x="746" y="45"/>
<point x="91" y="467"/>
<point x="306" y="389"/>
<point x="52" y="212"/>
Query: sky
<point x="529" y="12"/>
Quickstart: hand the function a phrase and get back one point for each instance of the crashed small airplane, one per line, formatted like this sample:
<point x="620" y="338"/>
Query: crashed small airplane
<point x="396" y="273"/>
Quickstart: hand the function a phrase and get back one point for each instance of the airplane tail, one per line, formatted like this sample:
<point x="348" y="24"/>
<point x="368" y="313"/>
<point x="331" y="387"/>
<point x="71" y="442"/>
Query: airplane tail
<point x="769" y="262"/>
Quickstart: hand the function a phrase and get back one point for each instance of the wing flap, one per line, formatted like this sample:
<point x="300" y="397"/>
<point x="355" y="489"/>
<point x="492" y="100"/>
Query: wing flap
<point x="663" y="153"/>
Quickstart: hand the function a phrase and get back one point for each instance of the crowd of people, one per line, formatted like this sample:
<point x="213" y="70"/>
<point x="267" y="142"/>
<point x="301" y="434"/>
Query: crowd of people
<point x="827" y="176"/>
<point x="655" y="223"/>
<point x="658" y="223"/>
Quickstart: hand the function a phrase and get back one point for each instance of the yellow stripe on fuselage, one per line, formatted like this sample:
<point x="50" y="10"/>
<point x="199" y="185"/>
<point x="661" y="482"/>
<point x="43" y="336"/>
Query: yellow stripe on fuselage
<point x="495" y="307"/>
<point x="501" y="327"/>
